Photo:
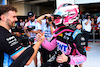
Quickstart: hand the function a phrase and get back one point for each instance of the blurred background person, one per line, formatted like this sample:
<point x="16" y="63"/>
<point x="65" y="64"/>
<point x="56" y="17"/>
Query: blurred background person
<point x="15" y="30"/>
<point x="98" y="23"/>
<point x="22" y="23"/>
<point x="86" y="28"/>
<point x="47" y="25"/>
<point x="31" y="28"/>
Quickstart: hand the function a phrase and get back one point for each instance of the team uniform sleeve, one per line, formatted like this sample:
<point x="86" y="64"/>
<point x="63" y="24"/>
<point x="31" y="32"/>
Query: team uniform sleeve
<point x="98" y="19"/>
<point x="23" y="58"/>
<point x="39" y="26"/>
<point x="11" y="45"/>
<point x="26" y="24"/>
<point x="81" y="56"/>
<point x="80" y="43"/>
<point x="49" y="45"/>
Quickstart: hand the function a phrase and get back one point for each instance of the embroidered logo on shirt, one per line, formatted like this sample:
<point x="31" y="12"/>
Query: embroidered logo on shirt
<point x="62" y="46"/>
<point x="12" y="40"/>
<point x="60" y="35"/>
<point x="79" y="62"/>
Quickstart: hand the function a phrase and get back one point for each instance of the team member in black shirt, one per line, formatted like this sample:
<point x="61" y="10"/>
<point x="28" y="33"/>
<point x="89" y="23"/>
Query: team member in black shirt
<point x="9" y="44"/>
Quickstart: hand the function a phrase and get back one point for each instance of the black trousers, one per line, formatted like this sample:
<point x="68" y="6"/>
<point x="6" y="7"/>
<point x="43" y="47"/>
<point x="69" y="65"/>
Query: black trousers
<point x="86" y="35"/>
<point x="46" y="54"/>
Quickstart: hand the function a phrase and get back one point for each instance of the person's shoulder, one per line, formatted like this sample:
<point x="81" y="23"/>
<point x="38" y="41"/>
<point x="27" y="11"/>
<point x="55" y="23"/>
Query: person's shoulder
<point x="2" y="29"/>
<point x="99" y="17"/>
<point x="43" y="20"/>
<point x="84" y="20"/>
<point x="38" y="24"/>
<point x="4" y="33"/>
<point x="76" y="33"/>
<point x="27" y="22"/>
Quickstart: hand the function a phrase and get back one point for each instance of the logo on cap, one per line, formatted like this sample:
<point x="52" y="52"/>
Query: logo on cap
<point x="30" y="14"/>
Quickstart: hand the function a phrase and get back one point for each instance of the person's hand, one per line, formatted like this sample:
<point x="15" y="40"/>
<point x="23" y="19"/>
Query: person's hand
<point x="62" y="58"/>
<point x="79" y="26"/>
<point x="88" y="19"/>
<point x="18" y="34"/>
<point x="50" y="23"/>
<point x="92" y="19"/>
<point x="40" y="37"/>
<point x="48" y="15"/>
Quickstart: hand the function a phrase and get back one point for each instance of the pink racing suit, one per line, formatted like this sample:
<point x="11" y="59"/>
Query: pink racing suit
<point x="69" y="42"/>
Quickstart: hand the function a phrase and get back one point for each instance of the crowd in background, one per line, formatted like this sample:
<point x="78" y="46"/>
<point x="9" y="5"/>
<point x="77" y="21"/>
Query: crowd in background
<point x="21" y="22"/>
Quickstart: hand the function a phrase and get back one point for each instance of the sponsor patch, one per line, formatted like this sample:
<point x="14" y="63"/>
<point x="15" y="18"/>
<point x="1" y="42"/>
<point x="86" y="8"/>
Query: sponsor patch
<point x="62" y="46"/>
<point x="60" y="35"/>
<point x="12" y="40"/>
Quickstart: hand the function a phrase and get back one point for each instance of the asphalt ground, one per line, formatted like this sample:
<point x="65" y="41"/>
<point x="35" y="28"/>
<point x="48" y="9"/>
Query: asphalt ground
<point x="93" y="56"/>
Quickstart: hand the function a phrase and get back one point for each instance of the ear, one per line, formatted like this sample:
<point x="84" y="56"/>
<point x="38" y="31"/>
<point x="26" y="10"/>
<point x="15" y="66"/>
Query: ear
<point x="34" y="15"/>
<point x="2" y="17"/>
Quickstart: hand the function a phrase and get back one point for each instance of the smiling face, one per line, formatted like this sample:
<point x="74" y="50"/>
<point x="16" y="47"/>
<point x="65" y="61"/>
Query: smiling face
<point x="10" y="18"/>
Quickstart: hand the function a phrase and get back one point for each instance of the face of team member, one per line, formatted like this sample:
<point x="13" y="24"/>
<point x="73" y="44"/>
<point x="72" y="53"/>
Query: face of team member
<point x="52" y="18"/>
<point x="32" y="18"/>
<point x="10" y="18"/>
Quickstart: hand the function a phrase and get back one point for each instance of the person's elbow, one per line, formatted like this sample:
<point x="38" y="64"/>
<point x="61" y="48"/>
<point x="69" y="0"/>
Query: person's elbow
<point x="85" y="23"/>
<point x="28" y="63"/>
<point x="39" y="21"/>
<point x="14" y="57"/>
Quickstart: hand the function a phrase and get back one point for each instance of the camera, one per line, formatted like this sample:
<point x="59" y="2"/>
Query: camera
<point x="25" y="40"/>
<point x="48" y="18"/>
<point x="29" y="28"/>
<point x="87" y="16"/>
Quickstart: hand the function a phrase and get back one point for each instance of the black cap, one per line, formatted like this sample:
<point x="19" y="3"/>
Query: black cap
<point x="30" y="14"/>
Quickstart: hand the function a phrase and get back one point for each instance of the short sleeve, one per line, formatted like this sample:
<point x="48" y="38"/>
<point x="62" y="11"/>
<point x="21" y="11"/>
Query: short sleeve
<point x="98" y="19"/>
<point x="39" y="26"/>
<point x="25" y="24"/>
<point x="10" y="45"/>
